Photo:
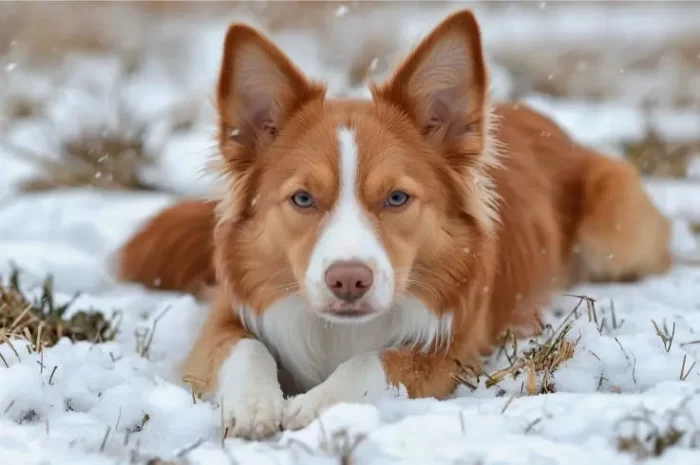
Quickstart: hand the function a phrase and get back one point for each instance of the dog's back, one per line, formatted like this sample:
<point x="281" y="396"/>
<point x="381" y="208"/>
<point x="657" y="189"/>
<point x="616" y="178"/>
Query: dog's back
<point x="568" y="214"/>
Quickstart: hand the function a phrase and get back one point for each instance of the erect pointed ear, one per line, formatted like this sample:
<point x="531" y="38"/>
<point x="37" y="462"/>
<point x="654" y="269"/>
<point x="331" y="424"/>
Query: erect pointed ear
<point x="258" y="89"/>
<point x="443" y="84"/>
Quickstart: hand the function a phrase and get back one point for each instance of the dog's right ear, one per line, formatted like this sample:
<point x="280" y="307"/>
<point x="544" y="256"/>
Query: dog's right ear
<point x="258" y="89"/>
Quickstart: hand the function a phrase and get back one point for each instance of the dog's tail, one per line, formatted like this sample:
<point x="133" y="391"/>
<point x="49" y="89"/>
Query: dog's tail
<point x="173" y="250"/>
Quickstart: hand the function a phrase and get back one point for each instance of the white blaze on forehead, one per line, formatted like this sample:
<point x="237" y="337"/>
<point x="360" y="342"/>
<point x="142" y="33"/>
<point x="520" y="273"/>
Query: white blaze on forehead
<point x="349" y="235"/>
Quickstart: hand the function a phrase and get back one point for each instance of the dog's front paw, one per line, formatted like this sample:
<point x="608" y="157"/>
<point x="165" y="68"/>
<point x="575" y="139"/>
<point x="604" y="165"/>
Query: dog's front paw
<point x="360" y="379"/>
<point x="250" y="394"/>
<point x="303" y="409"/>
<point x="255" y="412"/>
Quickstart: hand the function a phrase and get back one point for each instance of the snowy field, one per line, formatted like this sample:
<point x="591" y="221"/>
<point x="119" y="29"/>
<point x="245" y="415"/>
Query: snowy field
<point x="629" y="392"/>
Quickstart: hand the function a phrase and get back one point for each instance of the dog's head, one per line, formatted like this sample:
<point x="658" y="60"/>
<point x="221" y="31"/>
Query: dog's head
<point x="352" y="205"/>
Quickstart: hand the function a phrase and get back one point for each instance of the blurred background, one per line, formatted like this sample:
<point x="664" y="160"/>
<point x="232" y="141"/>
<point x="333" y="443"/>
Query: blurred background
<point x="118" y="95"/>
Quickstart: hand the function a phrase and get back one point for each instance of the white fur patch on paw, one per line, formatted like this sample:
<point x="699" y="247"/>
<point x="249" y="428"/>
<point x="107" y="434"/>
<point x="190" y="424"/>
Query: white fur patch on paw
<point x="251" y="397"/>
<point x="360" y="379"/>
<point x="303" y="409"/>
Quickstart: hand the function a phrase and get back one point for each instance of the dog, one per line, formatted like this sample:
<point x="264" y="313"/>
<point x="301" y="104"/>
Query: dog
<point x="361" y="248"/>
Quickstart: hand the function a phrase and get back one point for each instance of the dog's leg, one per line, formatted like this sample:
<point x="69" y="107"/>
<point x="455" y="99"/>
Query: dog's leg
<point x="369" y="377"/>
<point x="622" y="236"/>
<point x="229" y="364"/>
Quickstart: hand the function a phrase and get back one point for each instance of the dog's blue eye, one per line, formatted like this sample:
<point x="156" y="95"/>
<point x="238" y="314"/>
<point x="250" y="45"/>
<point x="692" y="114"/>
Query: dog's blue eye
<point x="303" y="199"/>
<point x="397" y="199"/>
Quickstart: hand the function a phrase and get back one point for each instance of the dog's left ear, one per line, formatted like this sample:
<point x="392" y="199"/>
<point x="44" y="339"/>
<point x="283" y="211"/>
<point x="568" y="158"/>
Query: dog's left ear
<point x="443" y="84"/>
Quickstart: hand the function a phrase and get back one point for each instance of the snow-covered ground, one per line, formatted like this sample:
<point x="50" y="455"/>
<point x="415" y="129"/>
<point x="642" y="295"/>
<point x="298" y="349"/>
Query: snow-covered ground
<point x="108" y="403"/>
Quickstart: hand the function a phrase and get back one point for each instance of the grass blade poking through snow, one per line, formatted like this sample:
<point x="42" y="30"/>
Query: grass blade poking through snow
<point x="538" y="362"/>
<point x="41" y="322"/>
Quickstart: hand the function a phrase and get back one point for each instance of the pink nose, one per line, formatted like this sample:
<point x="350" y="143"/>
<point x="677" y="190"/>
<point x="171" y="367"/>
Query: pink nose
<point x="349" y="280"/>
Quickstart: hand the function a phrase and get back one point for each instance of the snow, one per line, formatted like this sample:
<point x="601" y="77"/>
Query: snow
<point x="117" y="403"/>
<point x="607" y="122"/>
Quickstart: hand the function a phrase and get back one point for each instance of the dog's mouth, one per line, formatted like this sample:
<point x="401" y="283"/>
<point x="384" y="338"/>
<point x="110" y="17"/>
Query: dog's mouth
<point x="348" y="313"/>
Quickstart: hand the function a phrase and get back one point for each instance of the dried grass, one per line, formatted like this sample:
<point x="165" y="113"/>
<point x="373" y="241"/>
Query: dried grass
<point x="18" y="107"/>
<point x="341" y="444"/>
<point x="32" y="28"/>
<point x="105" y="161"/>
<point x="547" y="352"/>
<point x="605" y="73"/>
<point x="655" y="433"/>
<point x="41" y="322"/>
<point x="655" y="156"/>
<point x="537" y="363"/>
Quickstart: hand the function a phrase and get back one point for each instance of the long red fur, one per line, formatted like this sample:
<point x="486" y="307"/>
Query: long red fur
<point x="173" y="250"/>
<point x="564" y="213"/>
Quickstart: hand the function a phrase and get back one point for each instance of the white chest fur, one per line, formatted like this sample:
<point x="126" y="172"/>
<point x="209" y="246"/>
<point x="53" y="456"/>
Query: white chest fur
<point x="309" y="348"/>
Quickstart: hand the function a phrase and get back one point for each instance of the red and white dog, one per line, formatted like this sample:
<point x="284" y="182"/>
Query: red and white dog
<point x="363" y="246"/>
